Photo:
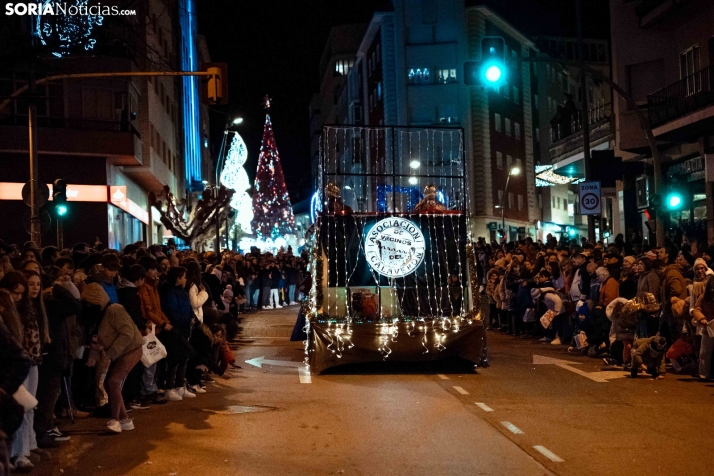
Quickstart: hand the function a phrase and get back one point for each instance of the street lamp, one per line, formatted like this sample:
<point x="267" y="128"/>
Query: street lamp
<point x="237" y="120"/>
<point x="513" y="171"/>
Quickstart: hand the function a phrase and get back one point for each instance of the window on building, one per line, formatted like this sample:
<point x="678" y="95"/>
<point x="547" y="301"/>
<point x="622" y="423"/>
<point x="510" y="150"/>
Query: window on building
<point x="499" y="160"/>
<point x="505" y="90"/>
<point x="379" y="91"/>
<point x="419" y="76"/>
<point x="552" y="202"/>
<point x="509" y="162"/>
<point x="156" y="86"/>
<point x="444" y="76"/>
<point x="508" y="127"/>
<point x="497" y="121"/>
<point x="500" y="197"/>
<point x="516" y="95"/>
<point x="537" y="133"/>
<point x="557" y="201"/>
<point x="535" y="102"/>
<point x="519" y="164"/>
<point x="510" y="200"/>
<point x="520" y="202"/>
<point x="517" y="130"/>
<point x="153" y="138"/>
<point x="377" y="49"/>
<point x="540" y="201"/>
<point x="688" y="65"/>
<point x="342" y="67"/>
<point x="514" y="54"/>
<point x="565" y="204"/>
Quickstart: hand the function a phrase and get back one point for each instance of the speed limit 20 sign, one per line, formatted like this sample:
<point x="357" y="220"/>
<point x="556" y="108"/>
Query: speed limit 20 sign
<point x="590" y="200"/>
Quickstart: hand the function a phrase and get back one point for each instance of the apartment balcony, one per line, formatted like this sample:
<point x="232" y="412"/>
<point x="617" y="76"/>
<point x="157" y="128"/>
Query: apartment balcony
<point x="118" y="141"/>
<point x="568" y="142"/>
<point x="684" y="109"/>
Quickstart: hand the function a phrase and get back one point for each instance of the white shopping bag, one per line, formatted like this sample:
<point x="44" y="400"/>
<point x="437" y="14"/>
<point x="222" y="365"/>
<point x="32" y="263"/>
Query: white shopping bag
<point x="153" y="350"/>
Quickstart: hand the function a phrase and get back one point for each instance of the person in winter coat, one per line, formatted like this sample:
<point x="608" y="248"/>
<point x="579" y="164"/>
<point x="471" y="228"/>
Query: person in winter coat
<point x="559" y="329"/>
<point x="128" y="294"/>
<point x="35" y="335"/>
<point x="702" y="315"/>
<point x="628" y="278"/>
<point x="580" y="285"/>
<point x="60" y="304"/>
<point x="197" y="293"/>
<point x="106" y="273"/>
<point x="492" y="279"/>
<point x="673" y="287"/>
<point x="648" y="356"/>
<point x="513" y="280"/>
<point x="609" y="288"/>
<point x="151" y="310"/>
<point x="276" y="276"/>
<point x="266" y="283"/>
<point x="177" y="306"/>
<point x="121" y="340"/>
<point x="15" y="366"/>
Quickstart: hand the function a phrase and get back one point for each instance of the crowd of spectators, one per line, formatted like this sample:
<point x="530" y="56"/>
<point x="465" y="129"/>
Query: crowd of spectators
<point x="645" y="309"/>
<point x="94" y="332"/>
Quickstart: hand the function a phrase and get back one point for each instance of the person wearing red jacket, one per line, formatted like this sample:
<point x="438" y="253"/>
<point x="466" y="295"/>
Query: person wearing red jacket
<point x="151" y="310"/>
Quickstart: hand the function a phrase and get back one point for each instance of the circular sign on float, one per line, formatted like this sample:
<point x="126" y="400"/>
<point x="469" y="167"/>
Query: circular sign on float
<point x="394" y="247"/>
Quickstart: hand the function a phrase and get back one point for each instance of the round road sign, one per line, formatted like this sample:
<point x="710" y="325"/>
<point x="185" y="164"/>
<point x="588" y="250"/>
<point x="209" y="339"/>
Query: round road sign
<point x="590" y="202"/>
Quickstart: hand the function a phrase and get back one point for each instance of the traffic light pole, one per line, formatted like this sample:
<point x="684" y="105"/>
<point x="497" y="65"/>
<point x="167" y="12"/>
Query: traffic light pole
<point x="31" y="87"/>
<point x="35" y="223"/>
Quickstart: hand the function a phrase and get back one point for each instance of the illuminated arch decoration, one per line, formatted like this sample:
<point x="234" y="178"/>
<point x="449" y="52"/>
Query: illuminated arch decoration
<point x="66" y="33"/>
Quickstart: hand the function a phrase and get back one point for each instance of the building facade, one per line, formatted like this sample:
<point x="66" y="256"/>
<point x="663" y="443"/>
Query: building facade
<point x="114" y="141"/>
<point x="663" y="54"/>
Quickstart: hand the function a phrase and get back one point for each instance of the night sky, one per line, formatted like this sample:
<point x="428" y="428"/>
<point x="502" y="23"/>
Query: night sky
<point x="275" y="46"/>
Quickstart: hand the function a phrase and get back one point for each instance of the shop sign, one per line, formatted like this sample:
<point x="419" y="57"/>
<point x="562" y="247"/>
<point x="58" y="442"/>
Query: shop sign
<point x="118" y="197"/>
<point x="75" y="193"/>
<point x="492" y="225"/>
<point x="394" y="247"/>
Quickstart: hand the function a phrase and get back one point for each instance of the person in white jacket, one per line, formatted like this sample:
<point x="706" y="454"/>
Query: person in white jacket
<point x="197" y="293"/>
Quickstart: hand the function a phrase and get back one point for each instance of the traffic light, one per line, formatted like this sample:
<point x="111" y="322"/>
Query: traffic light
<point x="59" y="198"/>
<point x="491" y="70"/>
<point x="674" y="201"/>
<point x="216" y="91"/>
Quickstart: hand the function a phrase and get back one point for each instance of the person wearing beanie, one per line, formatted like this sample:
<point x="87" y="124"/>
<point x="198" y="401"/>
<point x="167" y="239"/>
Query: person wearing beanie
<point x="674" y="287"/>
<point x="120" y="339"/>
<point x="648" y="356"/>
<point x="708" y="255"/>
<point x="228" y="296"/>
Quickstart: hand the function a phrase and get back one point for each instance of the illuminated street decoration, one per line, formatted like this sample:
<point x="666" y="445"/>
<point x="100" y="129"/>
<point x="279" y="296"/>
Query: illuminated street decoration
<point x="315" y="206"/>
<point x="191" y="100"/>
<point x="66" y="33"/>
<point x="234" y="176"/>
<point x="271" y="202"/>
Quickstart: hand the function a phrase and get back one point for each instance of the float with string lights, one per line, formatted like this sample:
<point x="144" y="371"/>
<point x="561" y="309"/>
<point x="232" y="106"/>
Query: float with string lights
<point x="391" y="257"/>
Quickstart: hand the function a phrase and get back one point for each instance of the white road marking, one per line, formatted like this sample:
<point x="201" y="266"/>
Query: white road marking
<point x="548" y="454"/>
<point x="460" y="390"/>
<point x="304" y="374"/>
<point x="512" y="428"/>
<point x="600" y="377"/>
<point x="442" y="377"/>
<point x="484" y="407"/>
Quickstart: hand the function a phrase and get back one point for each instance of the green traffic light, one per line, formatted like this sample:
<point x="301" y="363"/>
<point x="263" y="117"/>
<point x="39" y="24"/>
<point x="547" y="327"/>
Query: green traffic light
<point x="62" y="210"/>
<point x="674" y="201"/>
<point x="493" y="74"/>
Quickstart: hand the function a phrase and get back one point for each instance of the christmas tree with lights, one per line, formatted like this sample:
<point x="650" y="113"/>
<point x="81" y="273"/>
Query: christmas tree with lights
<point x="273" y="213"/>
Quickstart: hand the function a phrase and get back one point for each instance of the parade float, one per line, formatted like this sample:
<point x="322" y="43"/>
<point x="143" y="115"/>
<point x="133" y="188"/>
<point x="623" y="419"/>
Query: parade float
<point x="392" y="265"/>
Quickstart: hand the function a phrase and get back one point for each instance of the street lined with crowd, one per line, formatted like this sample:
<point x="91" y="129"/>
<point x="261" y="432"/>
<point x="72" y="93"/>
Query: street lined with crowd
<point x="91" y="332"/>
<point x="644" y="309"/>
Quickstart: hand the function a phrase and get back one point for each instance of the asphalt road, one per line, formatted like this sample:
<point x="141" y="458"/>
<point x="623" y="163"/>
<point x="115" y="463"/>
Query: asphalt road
<point x="514" y="418"/>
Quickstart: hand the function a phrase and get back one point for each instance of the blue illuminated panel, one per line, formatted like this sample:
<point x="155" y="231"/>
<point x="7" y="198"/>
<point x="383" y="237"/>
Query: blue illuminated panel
<point x="191" y="98"/>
